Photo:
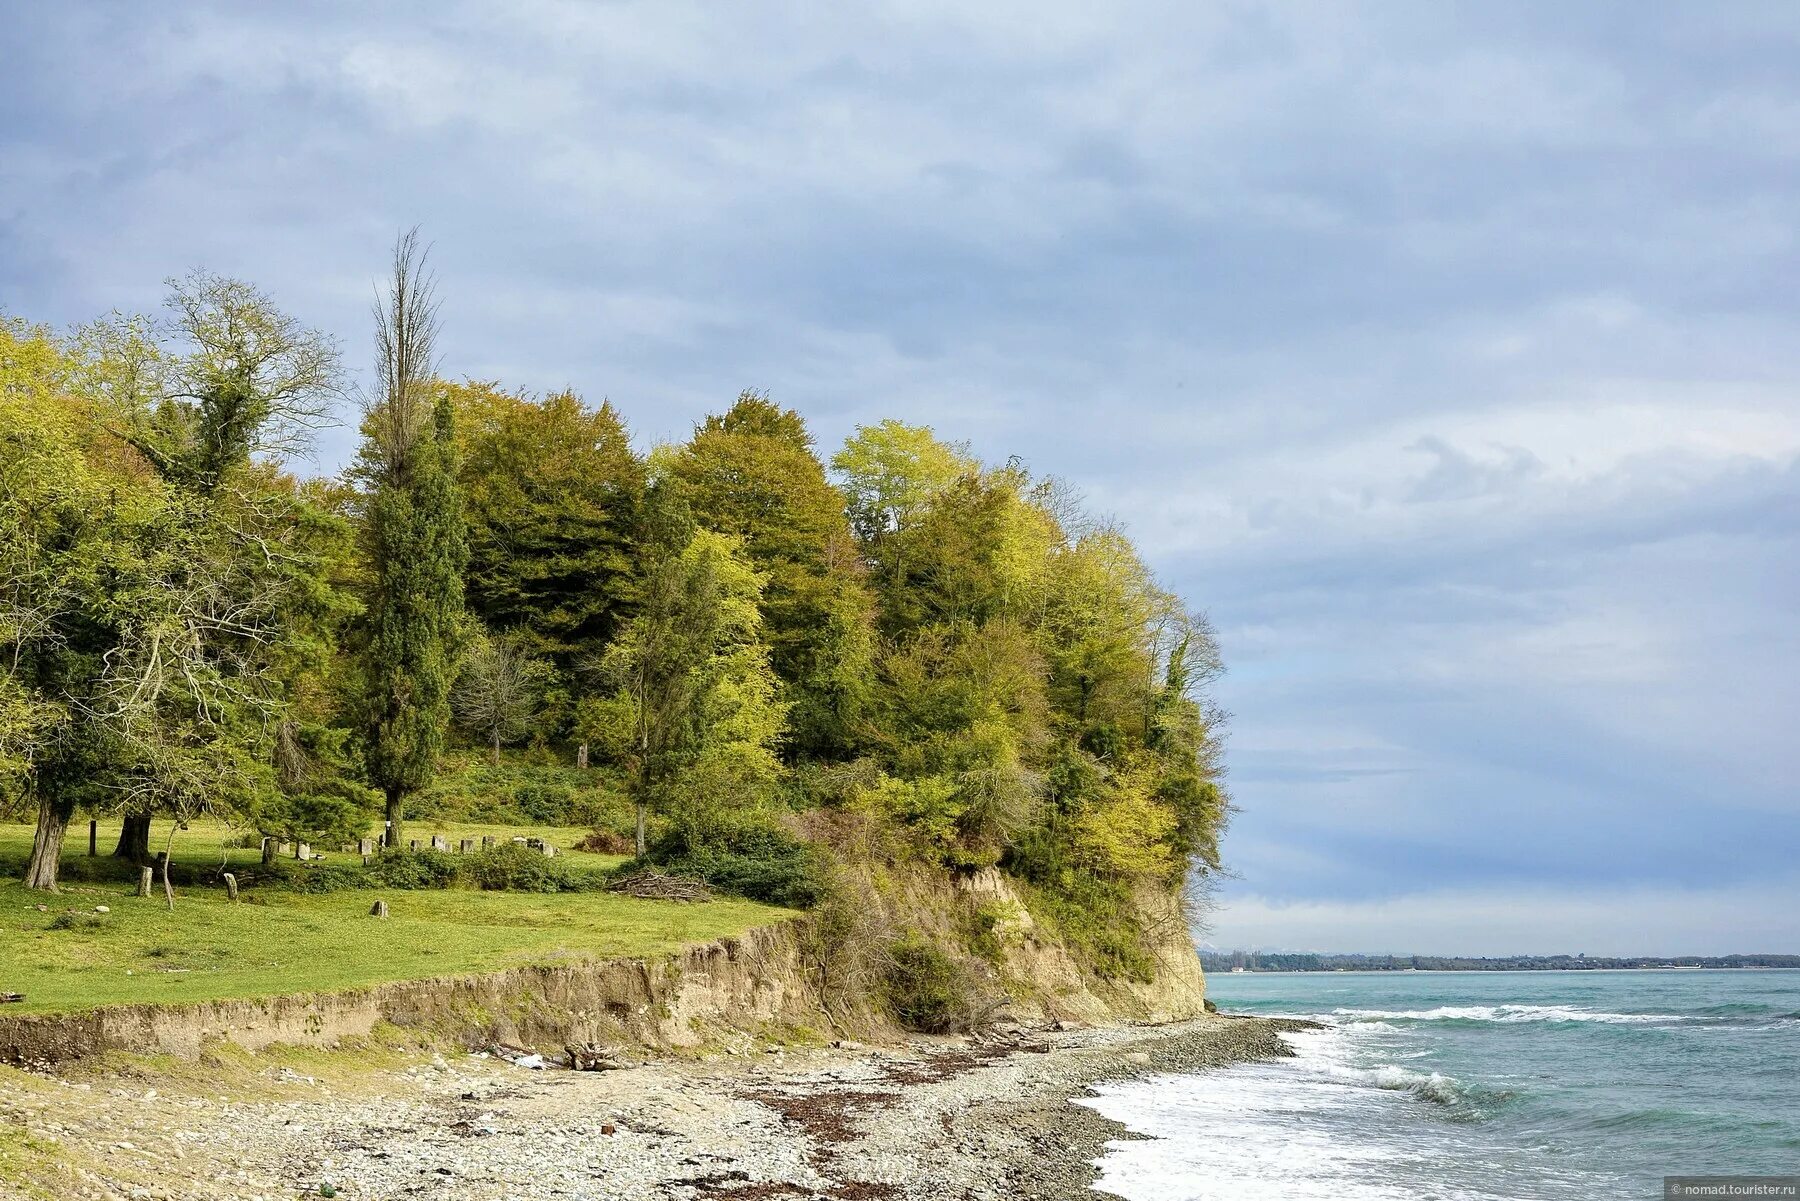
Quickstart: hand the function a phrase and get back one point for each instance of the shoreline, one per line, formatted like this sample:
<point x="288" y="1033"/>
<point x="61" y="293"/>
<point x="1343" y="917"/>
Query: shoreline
<point x="1065" y="1139"/>
<point x="950" y="1119"/>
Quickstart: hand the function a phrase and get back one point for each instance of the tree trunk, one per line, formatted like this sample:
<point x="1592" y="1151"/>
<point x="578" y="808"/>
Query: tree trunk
<point x="134" y="839"/>
<point x="394" y="798"/>
<point x="47" y="844"/>
<point x="640" y="828"/>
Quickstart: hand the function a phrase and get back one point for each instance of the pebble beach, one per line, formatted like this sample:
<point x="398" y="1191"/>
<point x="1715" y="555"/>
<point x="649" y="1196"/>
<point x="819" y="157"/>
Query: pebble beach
<point x="931" y="1118"/>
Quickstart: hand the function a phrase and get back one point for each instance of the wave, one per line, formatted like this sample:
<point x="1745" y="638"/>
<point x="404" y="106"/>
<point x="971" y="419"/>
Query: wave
<point x="1432" y="1086"/>
<point x="1505" y="1014"/>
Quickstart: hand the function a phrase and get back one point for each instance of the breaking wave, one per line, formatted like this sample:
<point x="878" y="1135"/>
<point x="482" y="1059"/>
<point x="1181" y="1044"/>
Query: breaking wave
<point x="1507" y="1014"/>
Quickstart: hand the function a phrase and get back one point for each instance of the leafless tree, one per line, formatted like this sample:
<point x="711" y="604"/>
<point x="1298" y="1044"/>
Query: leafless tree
<point x="406" y="328"/>
<point x="498" y="689"/>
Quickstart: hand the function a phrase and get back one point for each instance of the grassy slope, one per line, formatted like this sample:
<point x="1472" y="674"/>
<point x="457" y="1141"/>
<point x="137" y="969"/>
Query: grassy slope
<point x="287" y="943"/>
<point x="208" y="948"/>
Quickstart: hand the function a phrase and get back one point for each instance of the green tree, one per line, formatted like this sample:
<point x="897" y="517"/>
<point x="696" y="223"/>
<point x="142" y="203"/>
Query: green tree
<point x="163" y="620"/>
<point x="751" y="473"/>
<point x="693" y="709"/>
<point x="551" y="492"/>
<point x="415" y="544"/>
<point x="891" y="470"/>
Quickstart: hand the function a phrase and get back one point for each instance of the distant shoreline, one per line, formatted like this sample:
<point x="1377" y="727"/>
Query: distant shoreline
<point x="1245" y="962"/>
<point x="1464" y="971"/>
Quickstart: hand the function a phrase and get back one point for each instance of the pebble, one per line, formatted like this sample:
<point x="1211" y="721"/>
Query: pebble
<point x="984" y="1128"/>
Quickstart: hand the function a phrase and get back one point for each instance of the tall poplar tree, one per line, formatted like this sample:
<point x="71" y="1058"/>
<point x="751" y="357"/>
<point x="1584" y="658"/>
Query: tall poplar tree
<point x="416" y="545"/>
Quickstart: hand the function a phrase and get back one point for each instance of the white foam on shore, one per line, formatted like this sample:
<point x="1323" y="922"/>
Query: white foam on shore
<point x="1317" y="1128"/>
<point x="1504" y="1013"/>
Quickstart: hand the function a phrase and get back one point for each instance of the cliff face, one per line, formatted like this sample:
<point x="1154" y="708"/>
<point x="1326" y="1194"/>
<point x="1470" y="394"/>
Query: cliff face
<point x="1049" y="981"/>
<point x="711" y="993"/>
<point x="735" y="985"/>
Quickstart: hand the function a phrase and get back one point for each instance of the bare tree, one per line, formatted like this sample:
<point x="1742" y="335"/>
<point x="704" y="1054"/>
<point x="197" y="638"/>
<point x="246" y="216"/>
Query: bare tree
<point x="406" y="329"/>
<point x="498" y="690"/>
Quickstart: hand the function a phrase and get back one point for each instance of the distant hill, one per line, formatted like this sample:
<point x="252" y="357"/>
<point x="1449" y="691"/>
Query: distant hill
<point x="1293" y="961"/>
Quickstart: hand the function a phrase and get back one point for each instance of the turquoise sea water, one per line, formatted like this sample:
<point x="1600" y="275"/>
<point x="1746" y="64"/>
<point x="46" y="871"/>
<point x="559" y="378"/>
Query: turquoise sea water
<point x="1583" y="1085"/>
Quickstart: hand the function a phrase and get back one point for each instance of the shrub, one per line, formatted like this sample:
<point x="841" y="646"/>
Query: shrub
<point x="77" y="921"/>
<point x="416" y="870"/>
<point x="319" y="877"/>
<point x="757" y="860"/>
<point x="925" y="989"/>
<point x="605" y="842"/>
<point x="524" y="870"/>
<point x="546" y="804"/>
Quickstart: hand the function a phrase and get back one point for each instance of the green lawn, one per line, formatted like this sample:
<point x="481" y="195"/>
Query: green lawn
<point x="282" y="942"/>
<point x="208" y="948"/>
<point x="202" y="844"/>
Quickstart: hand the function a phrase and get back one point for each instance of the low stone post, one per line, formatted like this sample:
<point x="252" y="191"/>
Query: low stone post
<point x="487" y="842"/>
<point x="466" y="847"/>
<point x="93" y="837"/>
<point x="302" y="851"/>
<point x="439" y="843"/>
<point x="412" y="844"/>
<point x="365" y="846"/>
<point x="231" y="888"/>
<point x="145" y="875"/>
<point x="378" y="909"/>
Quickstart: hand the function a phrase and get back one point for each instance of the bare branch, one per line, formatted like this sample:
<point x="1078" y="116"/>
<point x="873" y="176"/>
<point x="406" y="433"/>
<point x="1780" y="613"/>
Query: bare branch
<point x="406" y="328"/>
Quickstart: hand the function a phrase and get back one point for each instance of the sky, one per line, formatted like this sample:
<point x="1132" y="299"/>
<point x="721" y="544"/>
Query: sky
<point x="1444" y="353"/>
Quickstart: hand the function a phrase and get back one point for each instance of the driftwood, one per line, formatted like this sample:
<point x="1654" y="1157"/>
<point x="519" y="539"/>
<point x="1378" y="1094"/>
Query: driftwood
<point x="652" y="885"/>
<point x="591" y="1057"/>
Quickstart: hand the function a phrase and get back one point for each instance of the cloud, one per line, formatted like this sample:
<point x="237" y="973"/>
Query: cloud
<point x="1674" y="915"/>
<point x="1443" y="354"/>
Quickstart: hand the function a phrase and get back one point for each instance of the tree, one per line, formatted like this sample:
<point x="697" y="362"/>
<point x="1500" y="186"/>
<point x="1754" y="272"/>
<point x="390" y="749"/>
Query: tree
<point x="415" y="544"/>
<point x="751" y="473"/>
<point x="172" y="577"/>
<point x="226" y="377"/>
<point x="890" y="470"/>
<point x="499" y="687"/>
<point x="693" y="709"/>
<point x="47" y="506"/>
<point x="551" y="492"/>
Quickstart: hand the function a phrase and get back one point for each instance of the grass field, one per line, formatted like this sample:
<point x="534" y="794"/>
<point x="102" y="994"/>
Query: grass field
<point x="208" y="948"/>
<point x="204" y="842"/>
<point x="282" y="942"/>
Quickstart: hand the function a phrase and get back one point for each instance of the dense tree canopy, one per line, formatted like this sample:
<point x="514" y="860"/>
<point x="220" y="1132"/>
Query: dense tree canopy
<point x="951" y="652"/>
<point x="751" y="473"/>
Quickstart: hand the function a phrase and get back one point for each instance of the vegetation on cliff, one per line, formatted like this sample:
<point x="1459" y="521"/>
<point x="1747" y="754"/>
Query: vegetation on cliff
<point x="818" y="685"/>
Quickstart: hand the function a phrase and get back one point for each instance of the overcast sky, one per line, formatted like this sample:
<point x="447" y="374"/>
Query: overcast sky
<point x="1445" y="353"/>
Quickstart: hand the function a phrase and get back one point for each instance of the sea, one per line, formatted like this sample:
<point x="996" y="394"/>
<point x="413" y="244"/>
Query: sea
<point x="1579" y="1086"/>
